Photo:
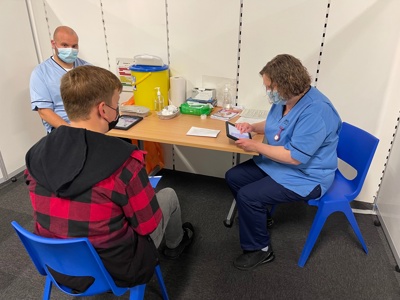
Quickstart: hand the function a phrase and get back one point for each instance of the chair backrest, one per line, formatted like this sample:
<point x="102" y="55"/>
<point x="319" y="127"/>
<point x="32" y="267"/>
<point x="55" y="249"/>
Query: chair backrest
<point x="356" y="147"/>
<point x="74" y="257"/>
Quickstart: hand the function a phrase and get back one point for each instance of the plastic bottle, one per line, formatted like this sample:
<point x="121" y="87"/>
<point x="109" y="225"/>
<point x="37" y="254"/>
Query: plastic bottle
<point x="227" y="98"/>
<point x="159" y="100"/>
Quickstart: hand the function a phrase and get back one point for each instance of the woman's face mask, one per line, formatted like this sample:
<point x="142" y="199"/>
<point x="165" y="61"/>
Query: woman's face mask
<point x="275" y="98"/>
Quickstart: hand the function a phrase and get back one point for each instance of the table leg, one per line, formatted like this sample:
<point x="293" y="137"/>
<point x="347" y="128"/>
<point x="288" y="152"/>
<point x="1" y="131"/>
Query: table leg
<point x="140" y="144"/>
<point x="228" y="222"/>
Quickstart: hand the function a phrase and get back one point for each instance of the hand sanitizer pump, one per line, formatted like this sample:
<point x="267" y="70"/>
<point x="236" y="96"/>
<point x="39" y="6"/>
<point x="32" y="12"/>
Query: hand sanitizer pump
<point x="159" y="100"/>
<point x="227" y="98"/>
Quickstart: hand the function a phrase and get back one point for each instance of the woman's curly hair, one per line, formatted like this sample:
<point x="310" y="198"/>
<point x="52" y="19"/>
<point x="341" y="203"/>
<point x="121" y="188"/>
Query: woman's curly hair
<point x="288" y="75"/>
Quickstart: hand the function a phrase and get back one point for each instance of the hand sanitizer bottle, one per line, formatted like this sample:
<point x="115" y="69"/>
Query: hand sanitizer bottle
<point x="227" y="98"/>
<point x="159" y="100"/>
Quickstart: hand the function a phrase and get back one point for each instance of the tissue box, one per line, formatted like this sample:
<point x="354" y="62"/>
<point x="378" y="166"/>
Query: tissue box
<point x="202" y="94"/>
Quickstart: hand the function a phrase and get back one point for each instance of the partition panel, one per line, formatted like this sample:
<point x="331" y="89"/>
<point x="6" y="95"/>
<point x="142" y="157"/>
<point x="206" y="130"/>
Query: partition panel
<point x="359" y="75"/>
<point x="203" y="48"/>
<point x="135" y="27"/>
<point x="388" y="201"/>
<point x="20" y="127"/>
<point x="270" y="28"/>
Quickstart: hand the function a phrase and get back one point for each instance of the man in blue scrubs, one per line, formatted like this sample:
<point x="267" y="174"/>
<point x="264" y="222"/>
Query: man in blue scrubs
<point x="297" y="159"/>
<point x="45" y="78"/>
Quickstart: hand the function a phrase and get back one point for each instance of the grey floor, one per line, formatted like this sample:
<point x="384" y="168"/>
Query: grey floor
<point x="336" y="269"/>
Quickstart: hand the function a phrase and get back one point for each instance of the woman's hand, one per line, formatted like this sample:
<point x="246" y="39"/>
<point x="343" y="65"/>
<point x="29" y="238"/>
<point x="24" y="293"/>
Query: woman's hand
<point x="247" y="145"/>
<point x="244" y="127"/>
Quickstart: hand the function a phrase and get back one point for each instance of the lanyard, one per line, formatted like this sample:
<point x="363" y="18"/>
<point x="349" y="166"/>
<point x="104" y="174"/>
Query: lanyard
<point x="278" y="135"/>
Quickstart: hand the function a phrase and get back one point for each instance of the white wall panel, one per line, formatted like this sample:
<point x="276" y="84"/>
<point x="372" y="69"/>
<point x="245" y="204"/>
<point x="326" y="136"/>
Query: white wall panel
<point x="203" y="41"/>
<point x="360" y="73"/>
<point x="20" y="127"/>
<point x="135" y="27"/>
<point x="270" y="28"/>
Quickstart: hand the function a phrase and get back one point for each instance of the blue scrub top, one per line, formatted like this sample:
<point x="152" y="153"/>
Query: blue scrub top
<point x="310" y="132"/>
<point x="45" y="88"/>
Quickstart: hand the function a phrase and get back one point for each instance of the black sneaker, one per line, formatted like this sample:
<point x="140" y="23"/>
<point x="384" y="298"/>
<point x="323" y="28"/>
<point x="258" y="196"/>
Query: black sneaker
<point x="251" y="259"/>
<point x="186" y="241"/>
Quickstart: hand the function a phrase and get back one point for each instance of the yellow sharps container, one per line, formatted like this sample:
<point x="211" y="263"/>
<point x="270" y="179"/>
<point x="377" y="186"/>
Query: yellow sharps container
<point x="145" y="80"/>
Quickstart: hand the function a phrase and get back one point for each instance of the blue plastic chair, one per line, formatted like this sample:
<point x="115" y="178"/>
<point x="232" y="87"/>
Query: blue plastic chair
<point x="356" y="147"/>
<point x="75" y="257"/>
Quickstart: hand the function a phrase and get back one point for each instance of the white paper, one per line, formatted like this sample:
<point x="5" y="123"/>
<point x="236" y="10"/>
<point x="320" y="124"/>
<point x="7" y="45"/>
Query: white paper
<point x="248" y="120"/>
<point x="254" y="113"/>
<point x="197" y="131"/>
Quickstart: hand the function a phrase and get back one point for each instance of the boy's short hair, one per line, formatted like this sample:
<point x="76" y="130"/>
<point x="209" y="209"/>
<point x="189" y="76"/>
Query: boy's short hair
<point x="84" y="87"/>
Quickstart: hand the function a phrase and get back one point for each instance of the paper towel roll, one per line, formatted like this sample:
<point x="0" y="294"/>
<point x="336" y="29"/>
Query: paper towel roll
<point x="177" y="91"/>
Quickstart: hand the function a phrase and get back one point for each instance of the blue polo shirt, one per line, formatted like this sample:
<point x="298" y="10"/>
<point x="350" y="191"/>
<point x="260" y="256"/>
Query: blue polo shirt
<point x="310" y="132"/>
<point x="45" y="88"/>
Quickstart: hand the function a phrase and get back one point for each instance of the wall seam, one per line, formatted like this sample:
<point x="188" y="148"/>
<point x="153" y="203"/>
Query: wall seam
<point x="322" y="43"/>
<point x="238" y="53"/>
<point x="169" y="63"/>
<point x="167" y="27"/>
<point x="105" y="34"/>
<point x="234" y="155"/>
<point x="47" y="20"/>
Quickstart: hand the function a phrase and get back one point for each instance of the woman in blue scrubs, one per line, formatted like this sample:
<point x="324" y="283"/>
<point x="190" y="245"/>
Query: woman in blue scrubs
<point x="297" y="159"/>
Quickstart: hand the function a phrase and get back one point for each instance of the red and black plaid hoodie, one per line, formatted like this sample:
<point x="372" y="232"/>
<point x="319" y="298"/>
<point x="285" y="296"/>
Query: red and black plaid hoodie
<point x="87" y="184"/>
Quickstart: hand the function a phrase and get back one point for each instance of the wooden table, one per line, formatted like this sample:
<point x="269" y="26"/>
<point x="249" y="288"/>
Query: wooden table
<point x="173" y="131"/>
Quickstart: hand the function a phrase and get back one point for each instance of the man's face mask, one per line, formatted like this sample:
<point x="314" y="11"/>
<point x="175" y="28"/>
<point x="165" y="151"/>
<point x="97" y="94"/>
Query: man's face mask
<point x="275" y="98"/>
<point x="67" y="55"/>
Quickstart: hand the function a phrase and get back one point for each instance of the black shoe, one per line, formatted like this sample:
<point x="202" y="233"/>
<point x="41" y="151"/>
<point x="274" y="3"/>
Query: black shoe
<point x="186" y="241"/>
<point x="250" y="260"/>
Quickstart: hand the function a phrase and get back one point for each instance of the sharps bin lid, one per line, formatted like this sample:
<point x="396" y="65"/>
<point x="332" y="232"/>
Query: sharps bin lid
<point x="145" y="68"/>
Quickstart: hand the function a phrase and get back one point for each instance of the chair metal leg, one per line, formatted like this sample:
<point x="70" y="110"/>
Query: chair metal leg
<point x="161" y="282"/>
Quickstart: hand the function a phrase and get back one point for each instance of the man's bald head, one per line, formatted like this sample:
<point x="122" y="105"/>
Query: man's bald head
<point x="62" y="30"/>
